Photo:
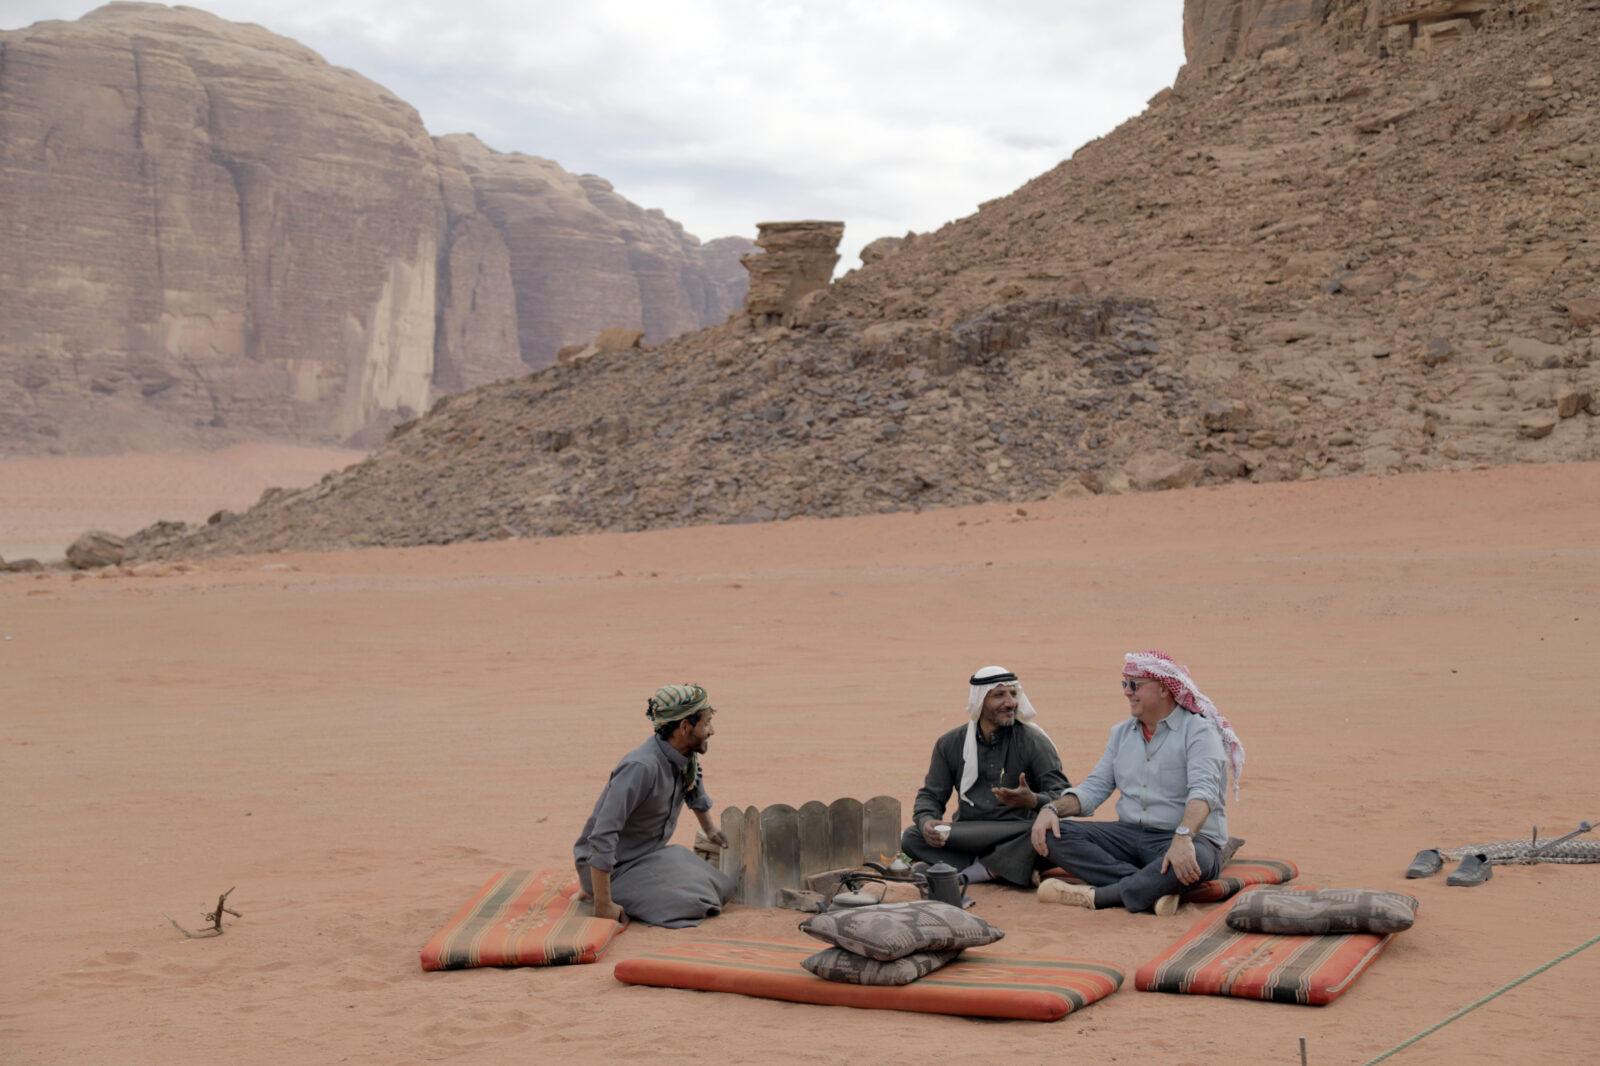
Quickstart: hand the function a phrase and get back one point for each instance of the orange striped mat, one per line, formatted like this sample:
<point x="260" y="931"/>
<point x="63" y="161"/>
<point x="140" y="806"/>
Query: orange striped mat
<point x="1213" y="959"/>
<point x="978" y="983"/>
<point x="522" y="918"/>
<point x="1240" y="873"/>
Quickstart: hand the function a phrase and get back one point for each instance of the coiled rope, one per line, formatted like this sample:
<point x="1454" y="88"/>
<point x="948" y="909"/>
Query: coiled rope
<point x="1504" y="988"/>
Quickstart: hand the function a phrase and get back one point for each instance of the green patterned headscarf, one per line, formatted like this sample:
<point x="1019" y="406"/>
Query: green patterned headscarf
<point x="670" y="704"/>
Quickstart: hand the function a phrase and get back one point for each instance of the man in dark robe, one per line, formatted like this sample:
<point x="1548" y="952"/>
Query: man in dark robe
<point x="1002" y="768"/>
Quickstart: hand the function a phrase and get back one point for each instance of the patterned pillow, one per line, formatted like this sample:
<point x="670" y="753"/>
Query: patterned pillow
<point x="889" y="931"/>
<point x="1314" y="911"/>
<point x="837" y="964"/>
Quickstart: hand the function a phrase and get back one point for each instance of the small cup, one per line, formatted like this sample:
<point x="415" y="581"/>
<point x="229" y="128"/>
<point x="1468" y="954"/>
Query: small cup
<point x="943" y="829"/>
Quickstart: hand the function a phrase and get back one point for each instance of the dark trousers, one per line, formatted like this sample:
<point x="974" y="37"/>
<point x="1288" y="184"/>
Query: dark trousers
<point x="1123" y="861"/>
<point x="1012" y="861"/>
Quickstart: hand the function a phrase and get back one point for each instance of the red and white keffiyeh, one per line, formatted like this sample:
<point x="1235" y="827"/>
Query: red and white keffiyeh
<point x="990" y="677"/>
<point x="1174" y="677"/>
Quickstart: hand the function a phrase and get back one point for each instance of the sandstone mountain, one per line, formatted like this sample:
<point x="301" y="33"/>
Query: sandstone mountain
<point x="210" y="234"/>
<point x="1355" y="237"/>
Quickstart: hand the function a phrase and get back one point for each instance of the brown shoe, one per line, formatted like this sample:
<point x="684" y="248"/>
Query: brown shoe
<point x="1166" y="906"/>
<point x="1055" y="890"/>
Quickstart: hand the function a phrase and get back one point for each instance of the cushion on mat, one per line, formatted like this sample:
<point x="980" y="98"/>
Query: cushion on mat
<point x="837" y="964"/>
<point x="977" y="984"/>
<point x="1215" y="959"/>
<point x="522" y="918"/>
<point x="888" y="931"/>
<point x="1317" y="911"/>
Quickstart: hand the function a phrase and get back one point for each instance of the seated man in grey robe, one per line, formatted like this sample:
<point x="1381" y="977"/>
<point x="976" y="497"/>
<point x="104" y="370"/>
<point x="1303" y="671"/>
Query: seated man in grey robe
<point x="623" y="856"/>
<point x="1003" y="768"/>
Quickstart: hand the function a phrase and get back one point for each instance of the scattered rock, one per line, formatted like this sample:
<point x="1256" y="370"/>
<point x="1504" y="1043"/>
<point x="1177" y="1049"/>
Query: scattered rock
<point x="1572" y="401"/>
<point x="1162" y="470"/>
<point x="1536" y="426"/>
<point x="1225" y="416"/>
<point x="876" y="250"/>
<point x="1436" y="351"/>
<point x="1584" y="312"/>
<point x="1534" y="352"/>
<point x="96" y="548"/>
<point x="618" y="339"/>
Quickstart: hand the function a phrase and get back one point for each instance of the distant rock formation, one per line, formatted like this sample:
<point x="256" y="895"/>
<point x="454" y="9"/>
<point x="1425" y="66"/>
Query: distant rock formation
<point x="211" y="233"/>
<point x="796" y="258"/>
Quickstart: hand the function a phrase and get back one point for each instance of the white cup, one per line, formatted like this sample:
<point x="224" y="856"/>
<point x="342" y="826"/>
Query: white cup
<point x="943" y="829"/>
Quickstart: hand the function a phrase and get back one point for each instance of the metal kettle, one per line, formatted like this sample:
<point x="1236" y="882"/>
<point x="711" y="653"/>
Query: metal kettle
<point x="942" y="882"/>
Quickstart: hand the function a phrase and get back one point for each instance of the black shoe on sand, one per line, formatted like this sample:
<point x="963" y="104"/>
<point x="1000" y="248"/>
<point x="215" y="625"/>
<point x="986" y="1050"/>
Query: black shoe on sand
<point x="1474" y="870"/>
<point x="1427" y="863"/>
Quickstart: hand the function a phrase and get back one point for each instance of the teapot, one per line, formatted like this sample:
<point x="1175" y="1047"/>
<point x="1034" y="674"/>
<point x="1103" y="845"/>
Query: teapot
<point x="942" y="882"/>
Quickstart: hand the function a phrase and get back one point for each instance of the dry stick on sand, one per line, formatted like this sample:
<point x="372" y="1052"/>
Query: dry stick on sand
<point x="214" y="917"/>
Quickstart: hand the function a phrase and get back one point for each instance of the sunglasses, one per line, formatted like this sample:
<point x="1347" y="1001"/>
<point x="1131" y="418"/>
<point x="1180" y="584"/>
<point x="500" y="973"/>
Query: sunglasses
<point x="1131" y="684"/>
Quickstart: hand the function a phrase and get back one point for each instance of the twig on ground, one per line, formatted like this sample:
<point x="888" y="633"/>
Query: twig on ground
<point x="214" y="917"/>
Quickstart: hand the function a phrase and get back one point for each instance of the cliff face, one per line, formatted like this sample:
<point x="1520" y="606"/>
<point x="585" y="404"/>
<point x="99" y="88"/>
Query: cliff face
<point x="211" y="233"/>
<point x="580" y="254"/>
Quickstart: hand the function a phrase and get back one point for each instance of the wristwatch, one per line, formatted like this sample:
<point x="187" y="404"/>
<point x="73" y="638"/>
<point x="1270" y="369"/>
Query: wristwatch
<point x="1182" y="831"/>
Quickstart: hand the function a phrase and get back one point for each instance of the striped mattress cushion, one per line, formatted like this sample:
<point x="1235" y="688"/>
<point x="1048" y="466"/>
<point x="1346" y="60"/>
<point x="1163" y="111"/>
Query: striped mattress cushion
<point x="522" y="918"/>
<point x="1241" y="873"/>
<point x="977" y="984"/>
<point x="1214" y="959"/>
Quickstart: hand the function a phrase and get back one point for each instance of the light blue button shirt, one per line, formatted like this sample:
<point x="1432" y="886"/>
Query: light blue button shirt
<point x="1183" y="760"/>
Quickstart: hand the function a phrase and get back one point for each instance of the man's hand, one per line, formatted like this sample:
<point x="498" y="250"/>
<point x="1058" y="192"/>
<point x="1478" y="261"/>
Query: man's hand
<point x="1180" y="856"/>
<point x="1047" y="822"/>
<point x="609" y="910"/>
<point x="716" y="837"/>
<point x="929" y="835"/>
<point x="1021" y="796"/>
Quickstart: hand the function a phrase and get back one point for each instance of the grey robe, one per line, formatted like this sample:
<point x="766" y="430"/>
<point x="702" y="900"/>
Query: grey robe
<point x="652" y="881"/>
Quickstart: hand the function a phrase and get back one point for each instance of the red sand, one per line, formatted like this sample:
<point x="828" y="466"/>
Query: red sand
<point x="356" y="741"/>
<point x="45" y="504"/>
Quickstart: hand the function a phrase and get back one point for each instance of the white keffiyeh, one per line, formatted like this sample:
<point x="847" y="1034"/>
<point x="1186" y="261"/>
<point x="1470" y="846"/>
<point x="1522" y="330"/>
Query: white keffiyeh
<point x="982" y="682"/>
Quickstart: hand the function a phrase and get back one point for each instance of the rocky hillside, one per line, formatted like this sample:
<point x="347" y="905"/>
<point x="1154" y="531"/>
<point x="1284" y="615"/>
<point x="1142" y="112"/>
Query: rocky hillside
<point x="1357" y="237"/>
<point x="211" y="234"/>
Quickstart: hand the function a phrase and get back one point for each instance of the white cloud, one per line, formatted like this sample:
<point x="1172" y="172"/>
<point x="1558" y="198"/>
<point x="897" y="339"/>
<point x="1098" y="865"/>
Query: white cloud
<point x="891" y="116"/>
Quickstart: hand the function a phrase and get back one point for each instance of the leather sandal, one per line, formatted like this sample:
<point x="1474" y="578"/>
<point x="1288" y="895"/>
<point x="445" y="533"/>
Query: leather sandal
<point x="1474" y="870"/>
<point x="1427" y="863"/>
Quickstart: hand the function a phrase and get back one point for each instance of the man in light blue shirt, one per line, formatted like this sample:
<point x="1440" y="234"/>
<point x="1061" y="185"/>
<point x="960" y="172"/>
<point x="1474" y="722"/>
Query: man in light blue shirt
<point x="1170" y="761"/>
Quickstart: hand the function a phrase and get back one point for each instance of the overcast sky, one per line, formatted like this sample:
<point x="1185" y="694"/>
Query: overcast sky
<point x="888" y="114"/>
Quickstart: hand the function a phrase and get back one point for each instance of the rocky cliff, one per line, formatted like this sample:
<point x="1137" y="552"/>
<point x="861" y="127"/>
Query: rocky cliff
<point x="1352" y="239"/>
<point x="211" y="233"/>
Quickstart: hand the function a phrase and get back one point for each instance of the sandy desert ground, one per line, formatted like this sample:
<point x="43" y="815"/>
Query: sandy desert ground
<point x="45" y="503"/>
<point x="357" y="741"/>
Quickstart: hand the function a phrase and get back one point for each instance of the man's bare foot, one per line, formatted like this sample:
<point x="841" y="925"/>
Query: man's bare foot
<point x="1055" y="890"/>
<point x="1167" y="906"/>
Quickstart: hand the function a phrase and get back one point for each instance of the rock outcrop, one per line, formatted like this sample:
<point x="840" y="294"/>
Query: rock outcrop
<point x="1335" y="257"/>
<point x="211" y="233"/>
<point x="796" y="259"/>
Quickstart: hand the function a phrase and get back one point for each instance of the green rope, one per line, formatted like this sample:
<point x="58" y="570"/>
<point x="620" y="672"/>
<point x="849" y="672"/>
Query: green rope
<point x="1505" y="988"/>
